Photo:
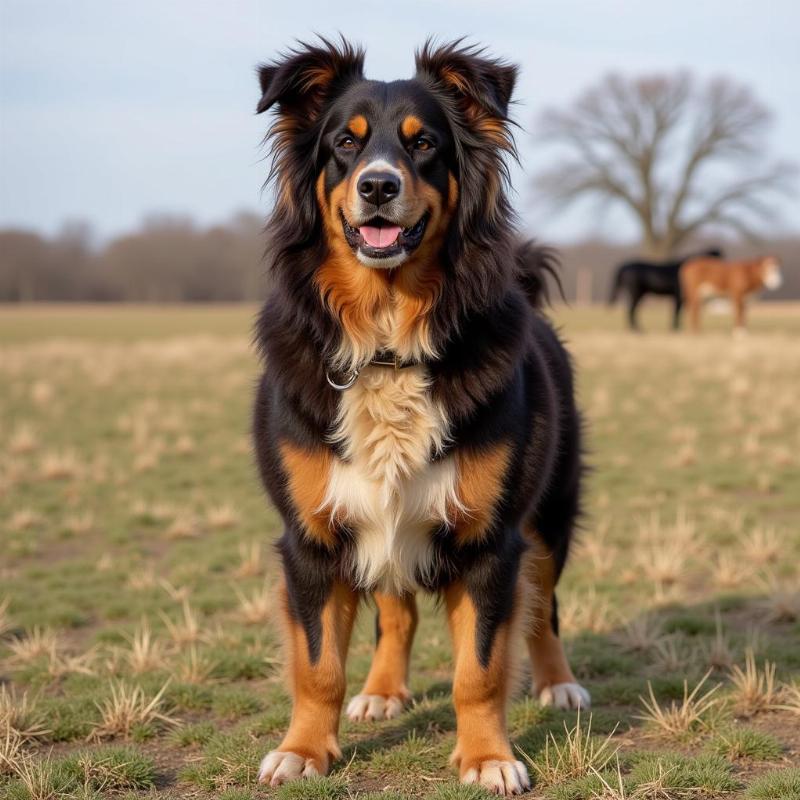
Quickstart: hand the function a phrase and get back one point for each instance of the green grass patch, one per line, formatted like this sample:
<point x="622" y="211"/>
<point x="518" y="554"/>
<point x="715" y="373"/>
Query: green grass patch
<point x="228" y="760"/>
<point x="331" y="788"/>
<point x="232" y="702"/>
<point x="83" y="775"/>
<point x="458" y="791"/>
<point x="678" y="772"/>
<point x="415" y="752"/>
<point x="196" y="733"/>
<point x="734" y="743"/>
<point x="779" y="784"/>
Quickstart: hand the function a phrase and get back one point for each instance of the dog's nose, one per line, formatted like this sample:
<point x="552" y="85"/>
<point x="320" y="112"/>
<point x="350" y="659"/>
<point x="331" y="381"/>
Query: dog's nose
<point x="378" y="187"/>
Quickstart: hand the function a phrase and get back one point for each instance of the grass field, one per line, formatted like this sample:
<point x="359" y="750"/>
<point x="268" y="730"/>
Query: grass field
<point x="138" y="650"/>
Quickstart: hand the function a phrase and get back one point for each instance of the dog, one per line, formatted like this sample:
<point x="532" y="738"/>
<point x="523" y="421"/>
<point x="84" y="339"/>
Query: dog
<point x="415" y="423"/>
<point x="705" y="279"/>
<point x="639" y="278"/>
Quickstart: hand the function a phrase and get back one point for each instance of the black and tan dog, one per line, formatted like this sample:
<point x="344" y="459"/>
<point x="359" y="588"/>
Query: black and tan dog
<point x="415" y="424"/>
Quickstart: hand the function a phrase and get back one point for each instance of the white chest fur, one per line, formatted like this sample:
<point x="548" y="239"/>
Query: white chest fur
<point x="387" y="489"/>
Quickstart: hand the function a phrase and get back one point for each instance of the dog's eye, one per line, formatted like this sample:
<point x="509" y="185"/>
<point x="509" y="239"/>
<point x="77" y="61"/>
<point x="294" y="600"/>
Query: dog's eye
<point x="422" y="143"/>
<point x="346" y="143"/>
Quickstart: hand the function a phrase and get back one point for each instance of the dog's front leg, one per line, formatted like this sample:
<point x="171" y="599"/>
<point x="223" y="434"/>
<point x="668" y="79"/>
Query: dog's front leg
<point x="319" y="613"/>
<point x="483" y="666"/>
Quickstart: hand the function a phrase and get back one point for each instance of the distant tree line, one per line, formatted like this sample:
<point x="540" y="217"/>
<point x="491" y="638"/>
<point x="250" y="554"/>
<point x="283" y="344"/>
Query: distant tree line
<point x="167" y="260"/>
<point x="172" y="260"/>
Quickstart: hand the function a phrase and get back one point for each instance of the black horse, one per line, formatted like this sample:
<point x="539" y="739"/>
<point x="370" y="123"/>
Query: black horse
<point x="639" y="278"/>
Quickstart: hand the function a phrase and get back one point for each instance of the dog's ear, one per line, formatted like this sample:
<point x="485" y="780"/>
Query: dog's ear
<point x="302" y="80"/>
<point x="481" y="86"/>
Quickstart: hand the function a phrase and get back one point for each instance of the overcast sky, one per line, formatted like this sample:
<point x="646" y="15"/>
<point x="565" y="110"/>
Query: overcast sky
<point x="112" y="110"/>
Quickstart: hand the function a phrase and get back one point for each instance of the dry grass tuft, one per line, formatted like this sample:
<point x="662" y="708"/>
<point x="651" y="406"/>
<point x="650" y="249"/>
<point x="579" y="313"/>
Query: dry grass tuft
<point x="754" y="689"/>
<point x="38" y="778"/>
<point x="642" y="633"/>
<point x="664" y="551"/>
<point x="781" y="602"/>
<point x="18" y="713"/>
<point x="674" y="654"/>
<point x="585" y="612"/>
<point x="179" y="594"/>
<point x="790" y="695"/>
<point x="59" y="466"/>
<point x="680" y="718"/>
<point x="222" y="517"/>
<point x="24" y="519"/>
<point x="185" y="445"/>
<point x="22" y="441"/>
<point x="761" y="546"/>
<point x="61" y="664"/>
<point x="256" y="609"/>
<point x="184" y="526"/>
<point x="599" y="551"/>
<point x="577" y="755"/>
<point x="144" y="578"/>
<point x="5" y="619"/>
<point x="128" y="707"/>
<point x="147" y="652"/>
<point x="756" y="638"/>
<point x="38" y="643"/>
<point x="717" y="652"/>
<point x="729" y="570"/>
<point x="79" y="524"/>
<point x="195" y="667"/>
<point x="10" y="750"/>
<point x="251" y="556"/>
<point x="615" y="791"/>
<point x="187" y="630"/>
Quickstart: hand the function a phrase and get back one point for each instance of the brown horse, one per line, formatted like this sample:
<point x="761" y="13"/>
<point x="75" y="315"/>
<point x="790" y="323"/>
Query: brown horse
<point x="704" y="278"/>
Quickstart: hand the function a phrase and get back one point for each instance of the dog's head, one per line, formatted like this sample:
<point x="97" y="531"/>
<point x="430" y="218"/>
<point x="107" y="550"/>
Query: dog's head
<point x="389" y="172"/>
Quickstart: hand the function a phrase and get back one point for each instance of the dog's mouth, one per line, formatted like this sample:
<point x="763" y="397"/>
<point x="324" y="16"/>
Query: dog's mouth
<point x="380" y="238"/>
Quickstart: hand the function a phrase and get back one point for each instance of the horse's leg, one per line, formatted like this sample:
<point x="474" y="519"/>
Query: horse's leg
<point x="636" y="296"/>
<point x="738" y="310"/>
<point x="694" y="311"/>
<point x="676" y="314"/>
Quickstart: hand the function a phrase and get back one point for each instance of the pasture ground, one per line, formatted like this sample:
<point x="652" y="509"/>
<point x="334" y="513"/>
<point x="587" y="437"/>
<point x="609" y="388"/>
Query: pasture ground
<point x="138" y="651"/>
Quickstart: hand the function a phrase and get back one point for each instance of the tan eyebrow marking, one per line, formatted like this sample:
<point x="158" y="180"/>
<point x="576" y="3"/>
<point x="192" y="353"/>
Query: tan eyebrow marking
<point x="411" y="126"/>
<point x="359" y="126"/>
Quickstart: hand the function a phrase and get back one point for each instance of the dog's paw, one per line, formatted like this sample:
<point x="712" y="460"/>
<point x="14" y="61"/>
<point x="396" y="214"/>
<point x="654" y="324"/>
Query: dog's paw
<point x="565" y="695"/>
<point x="499" y="777"/>
<point x="279" y="767"/>
<point x="374" y="707"/>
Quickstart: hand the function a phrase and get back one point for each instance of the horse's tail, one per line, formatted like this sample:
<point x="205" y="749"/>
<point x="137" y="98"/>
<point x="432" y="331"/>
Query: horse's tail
<point x="616" y="285"/>
<point x="535" y="265"/>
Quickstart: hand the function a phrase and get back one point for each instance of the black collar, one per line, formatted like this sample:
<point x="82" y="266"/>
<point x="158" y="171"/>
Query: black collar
<point x="388" y="358"/>
<point x="384" y="358"/>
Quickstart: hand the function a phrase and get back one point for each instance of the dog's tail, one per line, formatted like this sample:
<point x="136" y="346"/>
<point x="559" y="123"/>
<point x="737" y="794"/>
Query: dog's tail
<point x="537" y="270"/>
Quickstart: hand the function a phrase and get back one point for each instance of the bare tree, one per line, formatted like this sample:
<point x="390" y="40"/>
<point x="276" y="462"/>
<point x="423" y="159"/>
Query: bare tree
<point x="679" y="156"/>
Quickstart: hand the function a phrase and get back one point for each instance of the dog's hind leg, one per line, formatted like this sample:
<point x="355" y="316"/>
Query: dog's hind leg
<point x="553" y="680"/>
<point x="385" y="691"/>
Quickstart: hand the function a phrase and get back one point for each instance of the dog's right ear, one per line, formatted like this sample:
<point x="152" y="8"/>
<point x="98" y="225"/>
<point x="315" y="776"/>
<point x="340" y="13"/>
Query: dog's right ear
<point x="301" y="81"/>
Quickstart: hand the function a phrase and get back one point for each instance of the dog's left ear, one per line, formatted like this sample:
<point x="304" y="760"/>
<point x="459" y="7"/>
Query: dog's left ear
<point x="481" y="86"/>
<point x="302" y="81"/>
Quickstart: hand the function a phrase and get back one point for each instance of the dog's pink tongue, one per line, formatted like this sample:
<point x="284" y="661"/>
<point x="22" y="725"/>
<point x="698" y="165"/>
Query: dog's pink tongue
<point x="379" y="237"/>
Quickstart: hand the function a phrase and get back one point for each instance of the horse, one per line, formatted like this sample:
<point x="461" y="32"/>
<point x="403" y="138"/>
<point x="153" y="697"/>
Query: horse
<point x="705" y="278"/>
<point x="639" y="278"/>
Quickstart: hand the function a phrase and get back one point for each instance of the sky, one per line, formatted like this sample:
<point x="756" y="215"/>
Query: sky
<point x="111" y="111"/>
